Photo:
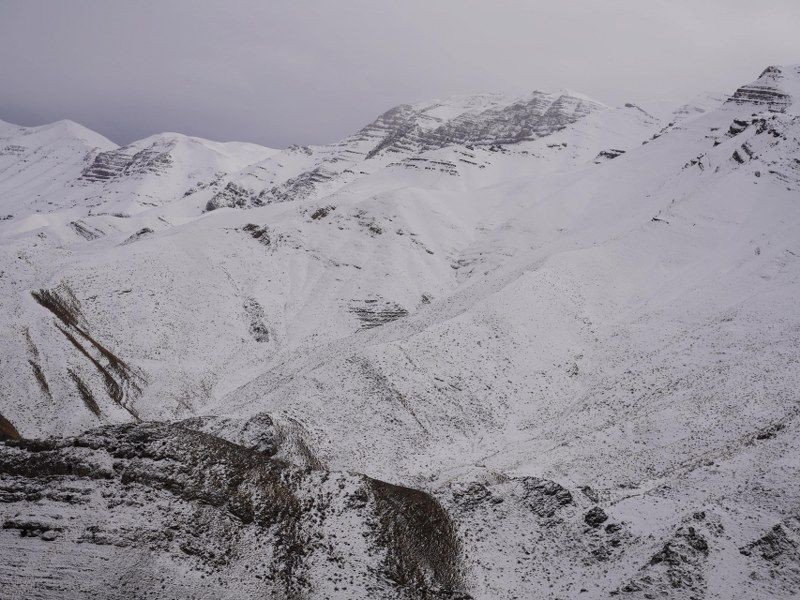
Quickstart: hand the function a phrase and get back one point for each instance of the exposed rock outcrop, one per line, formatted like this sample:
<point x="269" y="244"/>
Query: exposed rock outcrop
<point x="163" y="511"/>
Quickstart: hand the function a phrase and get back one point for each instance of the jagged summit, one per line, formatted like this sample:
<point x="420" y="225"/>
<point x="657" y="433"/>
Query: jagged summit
<point x="483" y="119"/>
<point x="777" y="89"/>
<point x="423" y="137"/>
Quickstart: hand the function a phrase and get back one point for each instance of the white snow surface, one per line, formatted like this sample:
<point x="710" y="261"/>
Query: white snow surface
<point x="609" y="304"/>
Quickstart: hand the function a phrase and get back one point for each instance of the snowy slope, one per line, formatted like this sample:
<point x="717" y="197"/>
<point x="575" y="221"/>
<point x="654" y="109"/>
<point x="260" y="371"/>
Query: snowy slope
<point x="38" y="163"/>
<point x="573" y="327"/>
<point x="161" y="168"/>
<point x="64" y="167"/>
<point x="416" y="135"/>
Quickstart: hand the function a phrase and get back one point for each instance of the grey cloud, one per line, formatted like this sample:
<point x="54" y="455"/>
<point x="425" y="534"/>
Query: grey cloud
<point x="279" y="72"/>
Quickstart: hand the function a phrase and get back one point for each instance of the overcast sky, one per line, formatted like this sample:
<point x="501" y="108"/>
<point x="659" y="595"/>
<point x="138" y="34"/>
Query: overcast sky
<point x="278" y="72"/>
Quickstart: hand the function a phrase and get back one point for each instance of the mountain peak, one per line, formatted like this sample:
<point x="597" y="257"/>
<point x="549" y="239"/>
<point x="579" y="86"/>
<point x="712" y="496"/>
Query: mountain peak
<point x="777" y="89"/>
<point x="64" y="130"/>
<point x="480" y="119"/>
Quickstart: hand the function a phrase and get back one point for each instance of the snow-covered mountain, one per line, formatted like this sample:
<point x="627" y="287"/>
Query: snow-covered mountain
<point x="38" y="163"/>
<point x="451" y="136"/>
<point x="68" y="168"/>
<point x="558" y="339"/>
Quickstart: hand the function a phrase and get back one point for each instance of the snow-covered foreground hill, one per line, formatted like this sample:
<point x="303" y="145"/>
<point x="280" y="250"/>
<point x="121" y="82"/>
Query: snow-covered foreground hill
<point x="558" y="339"/>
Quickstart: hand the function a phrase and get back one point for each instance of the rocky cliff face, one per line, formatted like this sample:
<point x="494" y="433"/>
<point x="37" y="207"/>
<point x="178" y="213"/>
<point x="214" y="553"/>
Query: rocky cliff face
<point x="409" y="132"/>
<point x="163" y="511"/>
<point x="774" y="90"/>
<point x="129" y="161"/>
<point x="477" y="120"/>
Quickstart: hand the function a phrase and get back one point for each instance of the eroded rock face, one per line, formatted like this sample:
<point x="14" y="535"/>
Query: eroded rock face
<point x="127" y="161"/>
<point x="122" y="382"/>
<point x="374" y="312"/>
<point x="595" y="517"/>
<point x="232" y="196"/>
<point x="7" y="430"/>
<point x="297" y="188"/>
<point x="163" y="511"/>
<point x="678" y="568"/>
<point x="482" y="121"/>
<point x="774" y="558"/>
<point x="403" y="133"/>
<point x="767" y="92"/>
